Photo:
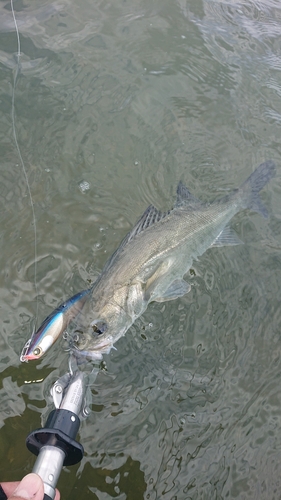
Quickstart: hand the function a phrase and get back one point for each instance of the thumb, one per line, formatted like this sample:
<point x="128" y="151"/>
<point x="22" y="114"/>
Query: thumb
<point x="30" y="488"/>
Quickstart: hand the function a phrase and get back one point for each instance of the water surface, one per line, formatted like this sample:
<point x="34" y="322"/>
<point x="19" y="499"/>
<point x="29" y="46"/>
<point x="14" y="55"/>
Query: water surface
<point x="115" y="102"/>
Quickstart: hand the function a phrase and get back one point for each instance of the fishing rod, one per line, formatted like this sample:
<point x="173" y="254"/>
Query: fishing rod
<point x="55" y="444"/>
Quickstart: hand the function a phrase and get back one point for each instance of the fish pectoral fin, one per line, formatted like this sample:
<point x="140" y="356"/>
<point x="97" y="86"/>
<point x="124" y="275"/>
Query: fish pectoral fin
<point x="227" y="237"/>
<point x="177" y="289"/>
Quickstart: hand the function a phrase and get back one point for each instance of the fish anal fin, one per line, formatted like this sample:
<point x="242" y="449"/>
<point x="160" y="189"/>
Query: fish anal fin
<point x="227" y="237"/>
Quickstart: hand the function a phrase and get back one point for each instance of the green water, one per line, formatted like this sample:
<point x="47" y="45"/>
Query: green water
<point x="115" y="102"/>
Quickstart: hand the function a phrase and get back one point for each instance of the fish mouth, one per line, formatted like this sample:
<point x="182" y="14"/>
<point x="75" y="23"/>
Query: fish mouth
<point x="94" y="351"/>
<point x="101" y="345"/>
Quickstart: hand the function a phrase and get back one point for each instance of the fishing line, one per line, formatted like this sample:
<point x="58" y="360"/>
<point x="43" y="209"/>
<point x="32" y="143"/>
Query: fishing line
<point x="21" y="158"/>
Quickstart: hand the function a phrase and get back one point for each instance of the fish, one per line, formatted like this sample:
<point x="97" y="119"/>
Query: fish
<point x="151" y="261"/>
<point x="53" y="326"/>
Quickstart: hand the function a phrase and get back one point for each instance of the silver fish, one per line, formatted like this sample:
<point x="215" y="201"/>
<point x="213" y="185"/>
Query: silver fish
<point x="151" y="261"/>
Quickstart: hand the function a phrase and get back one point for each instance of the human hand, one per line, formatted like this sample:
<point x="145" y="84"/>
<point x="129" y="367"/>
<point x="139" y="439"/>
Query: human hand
<point x="29" y="488"/>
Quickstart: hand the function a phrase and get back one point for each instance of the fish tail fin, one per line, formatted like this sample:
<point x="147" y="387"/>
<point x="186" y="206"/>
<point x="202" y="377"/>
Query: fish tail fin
<point x="252" y="186"/>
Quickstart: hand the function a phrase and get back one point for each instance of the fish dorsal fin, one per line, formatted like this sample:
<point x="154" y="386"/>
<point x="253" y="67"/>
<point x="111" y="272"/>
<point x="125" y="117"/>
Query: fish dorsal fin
<point x="184" y="197"/>
<point x="148" y="218"/>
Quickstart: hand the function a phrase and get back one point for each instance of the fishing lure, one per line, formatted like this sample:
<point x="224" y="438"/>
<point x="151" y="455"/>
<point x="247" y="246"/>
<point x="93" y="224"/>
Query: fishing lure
<point x="53" y="326"/>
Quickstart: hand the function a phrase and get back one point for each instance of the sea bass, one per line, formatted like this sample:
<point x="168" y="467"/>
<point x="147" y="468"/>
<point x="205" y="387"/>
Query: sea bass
<point x="152" y="259"/>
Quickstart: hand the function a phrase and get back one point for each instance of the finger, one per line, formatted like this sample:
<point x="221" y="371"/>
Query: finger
<point x="30" y="488"/>
<point x="9" y="487"/>
<point x="57" y="497"/>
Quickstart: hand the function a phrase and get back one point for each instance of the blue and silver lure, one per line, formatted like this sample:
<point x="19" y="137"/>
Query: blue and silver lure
<point x="53" y="326"/>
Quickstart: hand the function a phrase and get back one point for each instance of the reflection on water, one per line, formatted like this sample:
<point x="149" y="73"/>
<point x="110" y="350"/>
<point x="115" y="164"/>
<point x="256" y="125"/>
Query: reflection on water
<point x="115" y="103"/>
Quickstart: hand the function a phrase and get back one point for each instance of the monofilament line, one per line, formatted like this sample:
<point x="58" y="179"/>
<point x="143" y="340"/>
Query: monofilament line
<point x="20" y="155"/>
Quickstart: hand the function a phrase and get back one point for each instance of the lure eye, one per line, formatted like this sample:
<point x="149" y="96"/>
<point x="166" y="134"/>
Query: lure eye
<point x="99" y="327"/>
<point x="37" y="351"/>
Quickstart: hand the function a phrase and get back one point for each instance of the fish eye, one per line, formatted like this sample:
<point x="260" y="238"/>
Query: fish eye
<point x="37" y="351"/>
<point x="99" y="327"/>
